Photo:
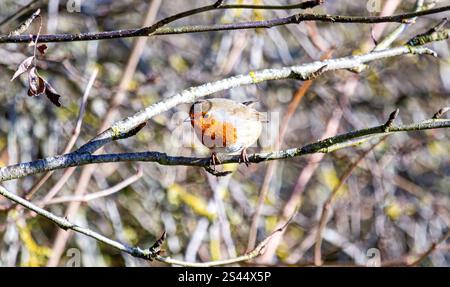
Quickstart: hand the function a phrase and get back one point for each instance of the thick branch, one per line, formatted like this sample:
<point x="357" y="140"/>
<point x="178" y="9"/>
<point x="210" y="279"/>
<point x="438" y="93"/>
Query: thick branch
<point x="157" y="28"/>
<point x="323" y="146"/>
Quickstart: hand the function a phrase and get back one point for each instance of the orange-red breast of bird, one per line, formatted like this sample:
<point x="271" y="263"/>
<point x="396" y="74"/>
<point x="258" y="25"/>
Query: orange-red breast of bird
<point x="224" y="125"/>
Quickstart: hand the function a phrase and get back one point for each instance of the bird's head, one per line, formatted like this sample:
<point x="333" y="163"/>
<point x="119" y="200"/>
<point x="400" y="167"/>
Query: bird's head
<point x="199" y="113"/>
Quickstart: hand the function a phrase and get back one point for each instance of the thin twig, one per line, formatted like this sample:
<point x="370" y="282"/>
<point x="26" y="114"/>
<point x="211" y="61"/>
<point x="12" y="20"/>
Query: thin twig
<point x="257" y="251"/>
<point x="327" y="205"/>
<point x="25" y="25"/>
<point x="392" y="36"/>
<point x="75" y="133"/>
<point x="391" y="119"/>
<point x="36" y="15"/>
<point x="99" y="194"/>
<point x="430" y="250"/>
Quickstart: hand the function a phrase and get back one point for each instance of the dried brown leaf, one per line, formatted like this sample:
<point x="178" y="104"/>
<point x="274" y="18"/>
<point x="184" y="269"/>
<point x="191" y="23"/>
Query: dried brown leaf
<point x="52" y="94"/>
<point x="42" y="48"/>
<point x="23" y="67"/>
<point x="35" y="82"/>
<point x="38" y="87"/>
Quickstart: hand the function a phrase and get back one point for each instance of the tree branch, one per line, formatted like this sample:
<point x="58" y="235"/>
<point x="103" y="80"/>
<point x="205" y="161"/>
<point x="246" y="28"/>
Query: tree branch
<point x="257" y="251"/>
<point x="324" y="146"/>
<point x="152" y="253"/>
<point x="65" y="224"/>
<point x="150" y="30"/>
<point x="157" y="28"/>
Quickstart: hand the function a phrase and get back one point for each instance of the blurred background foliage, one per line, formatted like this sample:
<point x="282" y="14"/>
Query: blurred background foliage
<point x="395" y="200"/>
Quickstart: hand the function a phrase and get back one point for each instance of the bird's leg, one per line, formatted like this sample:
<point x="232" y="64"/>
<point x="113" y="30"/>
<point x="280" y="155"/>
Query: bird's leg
<point x="244" y="157"/>
<point x="214" y="160"/>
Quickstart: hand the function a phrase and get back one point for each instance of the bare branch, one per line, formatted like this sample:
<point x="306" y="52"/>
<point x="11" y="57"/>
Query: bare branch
<point x="441" y="112"/>
<point x="157" y="28"/>
<point x="436" y="33"/>
<point x="391" y="119"/>
<point x="91" y="196"/>
<point x="25" y="25"/>
<point x="152" y="253"/>
<point x="392" y="36"/>
<point x="257" y="251"/>
<point x="430" y="250"/>
<point x="326" y="209"/>
<point x="66" y="225"/>
<point x="324" y="146"/>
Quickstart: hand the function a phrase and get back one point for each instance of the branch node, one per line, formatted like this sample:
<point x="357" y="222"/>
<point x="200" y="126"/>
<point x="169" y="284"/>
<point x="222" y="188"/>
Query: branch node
<point x="215" y="172"/>
<point x="391" y="119"/>
<point x="307" y="76"/>
<point x="311" y="4"/>
<point x="331" y="18"/>
<point x="440" y="113"/>
<point x="437" y="33"/>
<point x="218" y="3"/>
<point x="155" y="249"/>
<point x="317" y="73"/>
<point x="117" y="134"/>
<point x="358" y="69"/>
<point x="408" y="21"/>
<point x="64" y="225"/>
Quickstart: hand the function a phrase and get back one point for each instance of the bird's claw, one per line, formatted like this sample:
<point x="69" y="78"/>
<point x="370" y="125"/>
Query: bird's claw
<point x="244" y="157"/>
<point x="212" y="166"/>
<point x="214" y="160"/>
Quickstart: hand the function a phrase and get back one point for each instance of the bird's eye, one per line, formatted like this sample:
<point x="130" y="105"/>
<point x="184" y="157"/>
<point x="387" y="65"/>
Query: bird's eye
<point x="205" y="116"/>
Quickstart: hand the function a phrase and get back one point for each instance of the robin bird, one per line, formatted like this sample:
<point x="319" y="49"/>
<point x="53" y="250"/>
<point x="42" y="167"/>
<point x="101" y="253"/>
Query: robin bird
<point x="226" y="126"/>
